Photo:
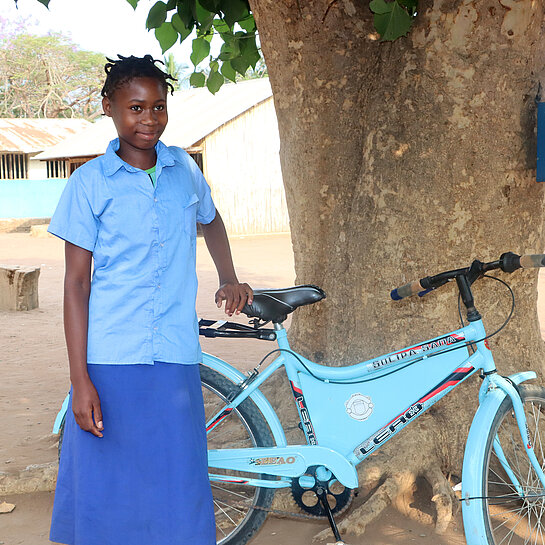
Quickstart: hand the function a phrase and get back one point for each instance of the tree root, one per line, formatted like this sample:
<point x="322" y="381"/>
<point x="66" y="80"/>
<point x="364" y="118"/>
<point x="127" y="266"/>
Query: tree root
<point x="370" y="510"/>
<point x="390" y="478"/>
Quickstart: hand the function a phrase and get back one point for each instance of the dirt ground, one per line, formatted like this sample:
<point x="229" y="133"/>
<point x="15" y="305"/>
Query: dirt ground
<point x="34" y="381"/>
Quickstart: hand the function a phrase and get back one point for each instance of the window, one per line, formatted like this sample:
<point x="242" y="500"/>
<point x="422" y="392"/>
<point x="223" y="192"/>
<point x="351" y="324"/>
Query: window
<point x="197" y="157"/>
<point x="76" y="163"/>
<point x="13" y="166"/>
<point x="56" y="169"/>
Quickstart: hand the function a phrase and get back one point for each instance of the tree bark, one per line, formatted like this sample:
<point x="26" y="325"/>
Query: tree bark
<point x="401" y="160"/>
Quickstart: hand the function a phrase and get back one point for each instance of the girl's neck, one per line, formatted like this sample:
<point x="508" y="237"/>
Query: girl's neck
<point x="143" y="159"/>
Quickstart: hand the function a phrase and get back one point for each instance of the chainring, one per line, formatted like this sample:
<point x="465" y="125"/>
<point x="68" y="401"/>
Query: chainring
<point x="338" y="495"/>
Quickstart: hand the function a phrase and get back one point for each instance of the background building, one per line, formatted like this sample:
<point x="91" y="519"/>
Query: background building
<point x="233" y="137"/>
<point x="22" y="139"/>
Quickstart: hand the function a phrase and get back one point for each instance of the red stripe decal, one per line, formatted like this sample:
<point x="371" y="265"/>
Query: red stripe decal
<point x="219" y="418"/>
<point x="298" y="390"/>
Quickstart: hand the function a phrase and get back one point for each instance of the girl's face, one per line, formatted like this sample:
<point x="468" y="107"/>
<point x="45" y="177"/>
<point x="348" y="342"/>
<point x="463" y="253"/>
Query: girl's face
<point x="139" y="112"/>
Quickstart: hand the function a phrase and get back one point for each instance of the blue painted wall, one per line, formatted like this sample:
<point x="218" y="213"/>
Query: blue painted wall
<point x="29" y="198"/>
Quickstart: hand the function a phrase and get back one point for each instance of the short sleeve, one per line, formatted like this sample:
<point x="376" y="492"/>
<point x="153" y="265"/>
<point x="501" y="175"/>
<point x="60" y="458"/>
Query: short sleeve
<point x="207" y="211"/>
<point x="73" y="219"/>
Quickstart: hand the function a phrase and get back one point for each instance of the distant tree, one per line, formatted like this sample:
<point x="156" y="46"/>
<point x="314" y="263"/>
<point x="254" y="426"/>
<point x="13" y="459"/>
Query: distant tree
<point x="48" y="76"/>
<point x="180" y="71"/>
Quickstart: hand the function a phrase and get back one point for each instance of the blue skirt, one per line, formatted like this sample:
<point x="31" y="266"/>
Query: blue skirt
<point x="146" y="481"/>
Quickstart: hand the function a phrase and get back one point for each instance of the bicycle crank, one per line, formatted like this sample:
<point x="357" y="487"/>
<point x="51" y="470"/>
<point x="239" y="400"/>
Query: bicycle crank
<point x="305" y="492"/>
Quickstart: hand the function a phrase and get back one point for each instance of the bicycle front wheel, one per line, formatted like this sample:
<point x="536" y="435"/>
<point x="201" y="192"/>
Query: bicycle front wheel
<point x="240" y="510"/>
<point x="514" y="498"/>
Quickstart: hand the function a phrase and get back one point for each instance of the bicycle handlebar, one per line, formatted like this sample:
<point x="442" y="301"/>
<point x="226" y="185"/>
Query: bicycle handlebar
<point x="508" y="262"/>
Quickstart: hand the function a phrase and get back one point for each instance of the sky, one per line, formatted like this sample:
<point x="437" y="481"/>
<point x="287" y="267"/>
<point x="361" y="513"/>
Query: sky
<point x="105" y="26"/>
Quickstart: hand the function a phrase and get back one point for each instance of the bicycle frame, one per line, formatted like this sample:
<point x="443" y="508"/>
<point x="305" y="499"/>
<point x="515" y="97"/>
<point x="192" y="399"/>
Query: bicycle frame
<point x="339" y="406"/>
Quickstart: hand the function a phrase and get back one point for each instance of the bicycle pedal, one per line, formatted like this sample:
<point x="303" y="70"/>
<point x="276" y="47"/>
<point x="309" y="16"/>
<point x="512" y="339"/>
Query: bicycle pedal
<point x="337" y="543"/>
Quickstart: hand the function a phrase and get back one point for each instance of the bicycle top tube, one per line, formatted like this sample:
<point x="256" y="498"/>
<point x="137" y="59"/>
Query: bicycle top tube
<point x="451" y="343"/>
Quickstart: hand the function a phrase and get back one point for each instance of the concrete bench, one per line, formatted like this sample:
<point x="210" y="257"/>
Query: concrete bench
<point x="18" y="287"/>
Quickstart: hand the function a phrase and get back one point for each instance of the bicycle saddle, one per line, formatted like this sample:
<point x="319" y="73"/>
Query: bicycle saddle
<point x="275" y="305"/>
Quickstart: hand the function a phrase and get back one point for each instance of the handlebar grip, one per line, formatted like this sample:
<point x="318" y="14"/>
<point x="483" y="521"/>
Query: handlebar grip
<point x="407" y="290"/>
<point x="532" y="260"/>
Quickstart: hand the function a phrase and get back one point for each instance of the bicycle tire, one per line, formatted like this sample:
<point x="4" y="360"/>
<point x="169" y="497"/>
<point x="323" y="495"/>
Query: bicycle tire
<point x="240" y="510"/>
<point x="508" y="518"/>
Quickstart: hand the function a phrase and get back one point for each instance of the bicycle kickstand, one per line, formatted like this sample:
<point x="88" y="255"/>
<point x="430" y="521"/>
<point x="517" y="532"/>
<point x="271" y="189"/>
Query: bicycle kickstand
<point x="322" y="496"/>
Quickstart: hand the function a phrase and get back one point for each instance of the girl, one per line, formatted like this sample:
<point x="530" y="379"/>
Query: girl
<point x="133" y="469"/>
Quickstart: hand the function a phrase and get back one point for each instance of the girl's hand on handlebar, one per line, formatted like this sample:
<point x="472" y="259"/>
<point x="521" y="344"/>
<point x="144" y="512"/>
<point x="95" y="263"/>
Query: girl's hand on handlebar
<point x="86" y="407"/>
<point x="235" y="295"/>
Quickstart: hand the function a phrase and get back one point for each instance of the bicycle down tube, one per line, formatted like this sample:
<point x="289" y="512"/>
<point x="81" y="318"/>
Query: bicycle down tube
<point x="424" y="373"/>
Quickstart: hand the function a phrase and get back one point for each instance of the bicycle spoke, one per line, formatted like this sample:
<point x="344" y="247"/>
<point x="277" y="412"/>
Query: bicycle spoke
<point x="232" y="492"/>
<point x="516" y="515"/>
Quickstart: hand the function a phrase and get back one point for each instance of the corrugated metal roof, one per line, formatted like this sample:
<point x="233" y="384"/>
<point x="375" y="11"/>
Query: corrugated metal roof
<point x="192" y="115"/>
<point x="33" y="135"/>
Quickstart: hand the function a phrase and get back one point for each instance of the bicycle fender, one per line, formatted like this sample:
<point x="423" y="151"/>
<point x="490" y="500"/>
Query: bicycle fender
<point x="290" y="461"/>
<point x="472" y="473"/>
<point x="231" y="373"/>
<point x="60" y="415"/>
<point x="257" y="396"/>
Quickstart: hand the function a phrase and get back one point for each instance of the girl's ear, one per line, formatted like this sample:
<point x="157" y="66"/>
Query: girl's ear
<point x="107" y="106"/>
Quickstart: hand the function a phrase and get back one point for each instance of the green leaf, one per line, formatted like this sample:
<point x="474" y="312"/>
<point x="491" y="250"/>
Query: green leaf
<point x="210" y="5"/>
<point x="171" y="4"/>
<point x="214" y="82"/>
<point x="234" y="10"/>
<point x="221" y="26"/>
<point x="205" y="25"/>
<point x="166" y="35"/>
<point x="248" y="23"/>
<point x="228" y="71"/>
<point x="157" y="15"/>
<point x="202" y="14"/>
<point x="197" y="79"/>
<point x="410" y="5"/>
<point x="240" y="64"/>
<point x="46" y="3"/>
<point x="380" y="6"/>
<point x="229" y="51"/>
<point x="178" y="24"/>
<point x="214" y="65"/>
<point x="185" y="11"/>
<point x="391" y="20"/>
<point x="133" y="3"/>
<point x="248" y="49"/>
<point x="200" y="50"/>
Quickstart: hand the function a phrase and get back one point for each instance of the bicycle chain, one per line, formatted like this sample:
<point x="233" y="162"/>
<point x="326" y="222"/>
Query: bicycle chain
<point x="287" y="513"/>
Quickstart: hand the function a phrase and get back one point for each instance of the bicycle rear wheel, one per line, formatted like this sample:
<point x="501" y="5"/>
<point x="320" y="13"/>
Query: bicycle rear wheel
<point x="515" y="516"/>
<point x="240" y="510"/>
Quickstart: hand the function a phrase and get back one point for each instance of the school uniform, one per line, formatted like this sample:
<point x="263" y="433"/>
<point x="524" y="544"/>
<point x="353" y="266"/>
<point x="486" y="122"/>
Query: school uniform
<point x="146" y="481"/>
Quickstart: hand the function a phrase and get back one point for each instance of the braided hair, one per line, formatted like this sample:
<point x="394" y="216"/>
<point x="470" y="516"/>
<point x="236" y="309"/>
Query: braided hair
<point x="123" y="70"/>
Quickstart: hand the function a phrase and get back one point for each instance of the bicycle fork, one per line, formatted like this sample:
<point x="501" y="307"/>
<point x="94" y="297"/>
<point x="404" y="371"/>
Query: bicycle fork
<point x="507" y="386"/>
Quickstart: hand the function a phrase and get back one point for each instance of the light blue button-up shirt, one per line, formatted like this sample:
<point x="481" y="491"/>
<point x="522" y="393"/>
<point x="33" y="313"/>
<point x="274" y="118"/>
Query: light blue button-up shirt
<point x="143" y="239"/>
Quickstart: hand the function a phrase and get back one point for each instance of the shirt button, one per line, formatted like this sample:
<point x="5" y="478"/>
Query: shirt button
<point x="156" y="200"/>
<point x="162" y="244"/>
<point x="158" y="285"/>
<point x="154" y="329"/>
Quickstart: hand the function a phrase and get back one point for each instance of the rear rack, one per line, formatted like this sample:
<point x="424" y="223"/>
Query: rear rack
<point x="222" y="328"/>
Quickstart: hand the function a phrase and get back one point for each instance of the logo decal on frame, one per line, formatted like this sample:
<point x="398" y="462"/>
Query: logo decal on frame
<point x="359" y="407"/>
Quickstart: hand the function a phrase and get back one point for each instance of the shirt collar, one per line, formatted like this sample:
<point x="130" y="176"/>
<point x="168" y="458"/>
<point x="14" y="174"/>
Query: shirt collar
<point x="112" y="161"/>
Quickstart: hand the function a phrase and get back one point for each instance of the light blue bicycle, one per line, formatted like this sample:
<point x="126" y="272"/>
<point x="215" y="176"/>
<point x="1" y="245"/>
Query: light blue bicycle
<point x="346" y="413"/>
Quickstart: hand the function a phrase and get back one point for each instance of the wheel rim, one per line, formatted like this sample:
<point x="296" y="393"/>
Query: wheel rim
<point x="233" y="503"/>
<point x="514" y="520"/>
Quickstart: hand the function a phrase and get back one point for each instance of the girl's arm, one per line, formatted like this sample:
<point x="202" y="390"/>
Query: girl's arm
<point x="77" y="287"/>
<point x="231" y="290"/>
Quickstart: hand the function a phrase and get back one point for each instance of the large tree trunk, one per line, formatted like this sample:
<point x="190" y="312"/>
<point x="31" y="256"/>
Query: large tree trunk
<point x="401" y="160"/>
